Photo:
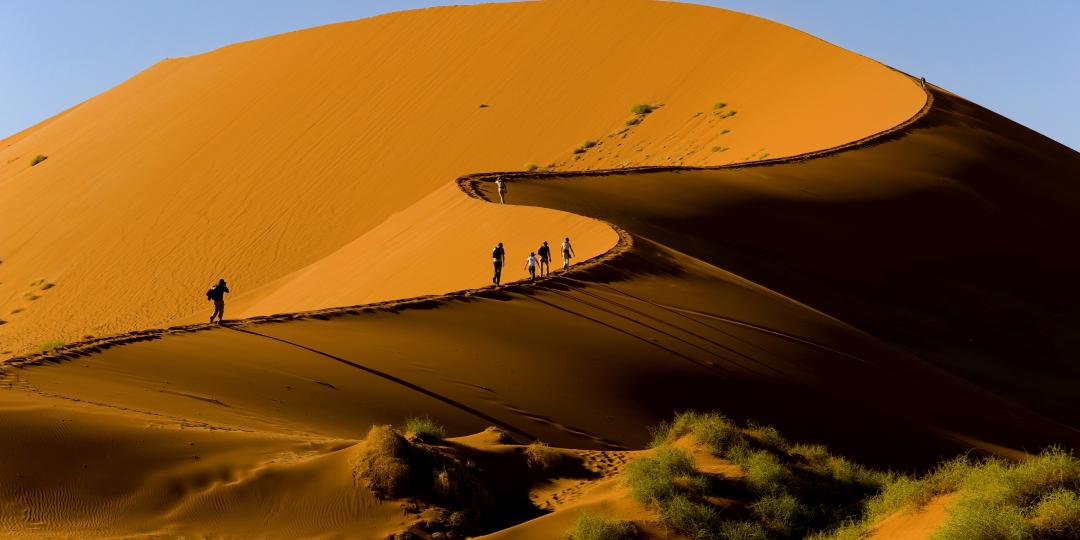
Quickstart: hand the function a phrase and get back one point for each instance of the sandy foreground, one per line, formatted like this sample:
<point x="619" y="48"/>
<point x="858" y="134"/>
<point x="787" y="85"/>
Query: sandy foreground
<point x="892" y="285"/>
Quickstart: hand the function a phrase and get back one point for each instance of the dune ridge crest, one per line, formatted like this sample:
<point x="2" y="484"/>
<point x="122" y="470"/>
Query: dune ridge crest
<point x="470" y="186"/>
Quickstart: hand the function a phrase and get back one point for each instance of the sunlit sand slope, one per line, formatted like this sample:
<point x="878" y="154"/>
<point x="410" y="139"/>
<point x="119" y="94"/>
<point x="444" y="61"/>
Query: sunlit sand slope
<point x="256" y="161"/>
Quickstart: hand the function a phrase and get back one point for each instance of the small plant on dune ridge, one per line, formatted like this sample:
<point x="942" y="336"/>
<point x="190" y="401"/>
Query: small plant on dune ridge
<point x="483" y="105"/>
<point x="49" y="345"/>
<point x="424" y="427"/>
<point x="720" y="149"/>
<point x="592" y="527"/>
<point x="530" y="167"/>
<point x="633" y="120"/>
<point x="719" y="105"/>
<point x="539" y="455"/>
<point x="642" y="108"/>
<point x="38" y="159"/>
<point x="589" y="143"/>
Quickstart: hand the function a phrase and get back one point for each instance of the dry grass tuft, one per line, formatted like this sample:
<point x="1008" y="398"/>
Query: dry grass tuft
<point x="540" y="456"/>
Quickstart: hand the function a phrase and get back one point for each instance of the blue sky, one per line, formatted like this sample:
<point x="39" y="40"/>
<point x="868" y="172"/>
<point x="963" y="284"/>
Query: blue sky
<point x="1021" y="59"/>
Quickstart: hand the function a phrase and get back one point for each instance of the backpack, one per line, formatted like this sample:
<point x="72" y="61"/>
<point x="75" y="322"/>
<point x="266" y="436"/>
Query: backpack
<point x="496" y="253"/>
<point x="209" y="293"/>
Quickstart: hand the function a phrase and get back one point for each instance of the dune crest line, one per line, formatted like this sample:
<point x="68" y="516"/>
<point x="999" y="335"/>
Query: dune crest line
<point x="470" y="186"/>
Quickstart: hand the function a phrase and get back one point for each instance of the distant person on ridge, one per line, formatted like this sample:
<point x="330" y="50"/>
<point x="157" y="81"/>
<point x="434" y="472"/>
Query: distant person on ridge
<point x="530" y="265"/>
<point x="545" y="258"/>
<point x="498" y="257"/>
<point x="217" y="294"/>
<point x="501" y="184"/>
<point x="567" y="253"/>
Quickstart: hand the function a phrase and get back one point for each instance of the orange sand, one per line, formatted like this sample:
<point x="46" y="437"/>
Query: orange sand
<point x="876" y="298"/>
<point x="313" y="169"/>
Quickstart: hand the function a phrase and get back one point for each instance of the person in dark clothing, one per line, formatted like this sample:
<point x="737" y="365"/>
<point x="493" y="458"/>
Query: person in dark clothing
<point x="217" y="294"/>
<point x="498" y="256"/>
<point x="545" y="258"/>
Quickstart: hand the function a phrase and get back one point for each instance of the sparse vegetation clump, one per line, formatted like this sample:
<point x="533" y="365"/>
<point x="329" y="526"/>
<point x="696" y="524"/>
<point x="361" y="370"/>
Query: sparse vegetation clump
<point x="1037" y="498"/>
<point x="793" y="490"/>
<point x="539" y="455"/>
<point x="589" y="143"/>
<point x="424" y="427"/>
<point x="719" y="105"/>
<point x="720" y="149"/>
<point x="642" y="108"/>
<point x="445" y="479"/>
<point x="530" y="167"/>
<point x="593" y="527"/>
<point x="633" y="120"/>
<point x="48" y="345"/>
<point x="38" y="159"/>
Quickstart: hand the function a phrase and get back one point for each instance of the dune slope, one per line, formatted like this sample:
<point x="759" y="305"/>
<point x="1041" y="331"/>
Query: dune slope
<point x="312" y="169"/>
<point x="587" y="358"/>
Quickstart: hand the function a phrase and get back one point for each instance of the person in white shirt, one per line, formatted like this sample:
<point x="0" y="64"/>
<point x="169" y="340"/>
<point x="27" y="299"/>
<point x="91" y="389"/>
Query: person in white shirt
<point x="501" y="184"/>
<point x="567" y="253"/>
<point x="530" y="265"/>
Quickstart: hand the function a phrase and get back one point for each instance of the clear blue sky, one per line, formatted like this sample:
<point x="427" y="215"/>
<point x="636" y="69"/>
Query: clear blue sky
<point x="1021" y="59"/>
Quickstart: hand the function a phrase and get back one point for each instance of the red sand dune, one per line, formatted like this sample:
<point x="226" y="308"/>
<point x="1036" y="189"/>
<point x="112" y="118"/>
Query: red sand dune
<point x="902" y="297"/>
<point x="314" y="169"/>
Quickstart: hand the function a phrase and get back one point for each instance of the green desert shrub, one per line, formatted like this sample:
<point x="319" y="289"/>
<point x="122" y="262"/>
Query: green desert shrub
<point x="585" y="146"/>
<point x="530" y="167"/>
<point x="424" y="427"/>
<point x="38" y="159"/>
<point x="49" y="345"/>
<point x="653" y="479"/>
<point x="690" y="517"/>
<point x="633" y="121"/>
<point x="593" y="527"/>
<point x="1037" y="498"/>
<point x="719" y="105"/>
<point x="642" y="108"/>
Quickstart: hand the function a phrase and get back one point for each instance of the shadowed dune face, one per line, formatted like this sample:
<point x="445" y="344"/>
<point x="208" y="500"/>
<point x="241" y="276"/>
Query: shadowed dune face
<point x="950" y="240"/>
<point x="313" y="169"/>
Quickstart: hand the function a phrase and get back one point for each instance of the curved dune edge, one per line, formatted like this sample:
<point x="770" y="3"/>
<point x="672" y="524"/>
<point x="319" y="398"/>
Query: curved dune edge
<point x="264" y="155"/>
<point x="469" y="184"/>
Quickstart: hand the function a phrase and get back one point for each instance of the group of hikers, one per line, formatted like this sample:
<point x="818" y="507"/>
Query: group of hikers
<point x="539" y="260"/>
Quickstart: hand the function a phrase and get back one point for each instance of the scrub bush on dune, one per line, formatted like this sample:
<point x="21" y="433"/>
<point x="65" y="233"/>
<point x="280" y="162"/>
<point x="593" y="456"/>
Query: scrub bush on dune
<point x="38" y="159"/>
<point x="593" y="527"/>
<point x="424" y="427"/>
<point x="642" y="108"/>
<point x="539" y="455"/>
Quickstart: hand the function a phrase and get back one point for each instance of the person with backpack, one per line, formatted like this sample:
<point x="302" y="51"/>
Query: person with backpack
<point x="217" y="295"/>
<point x="545" y="258"/>
<point x="501" y="184"/>
<point x="567" y="253"/>
<point x="498" y="256"/>
<point x="530" y="265"/>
